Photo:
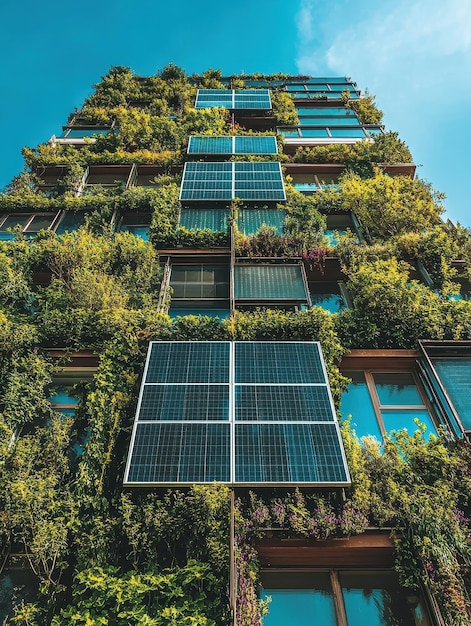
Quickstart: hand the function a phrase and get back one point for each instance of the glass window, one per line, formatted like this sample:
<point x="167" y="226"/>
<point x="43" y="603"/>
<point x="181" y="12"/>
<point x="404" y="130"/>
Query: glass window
<point x="39" y="222"/>
<point x="30" y="224"/>
<point x="454" y="374"/>
<point x="138" y="224"/>
<point x="288" y="132"/>
<point x="295" y="87"/>
<point x="179" y="310"/>
<point x="296" y="598"/>
<point x="199" y="281"/>
<point x="380" y="402"/>
<point x="314" y="132"/>
<point x="337" y="225"/>
<point x="374" y="131"/>
<point x="377" y="599"/>
<point x="327" y="295"/>
<point x="372" y="598"/>
<point x="398" y="388"/>
<point x="304" y="187"/>
<point x="347" y="132"/>
<point x="12" y="221"/>
<point x="325" y="111"/>
<point x="327" y="121"/>
<point x="356" y="402"/>
<point x="70" y="222"/>
<point x="80" y="133"/>
<point x="64" y="400"/>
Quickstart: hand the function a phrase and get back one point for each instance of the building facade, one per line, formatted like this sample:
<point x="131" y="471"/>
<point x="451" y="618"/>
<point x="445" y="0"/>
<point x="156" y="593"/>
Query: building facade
<point x="236" y="350"/>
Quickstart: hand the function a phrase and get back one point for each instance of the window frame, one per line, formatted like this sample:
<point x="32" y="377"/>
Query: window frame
<point x="370" y="362"/>
<point x="338" y="598"/>
<point x="29" y="220"/>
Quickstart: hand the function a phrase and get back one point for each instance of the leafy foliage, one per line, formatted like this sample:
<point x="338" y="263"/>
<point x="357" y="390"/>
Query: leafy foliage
<point x="104" y="556"/>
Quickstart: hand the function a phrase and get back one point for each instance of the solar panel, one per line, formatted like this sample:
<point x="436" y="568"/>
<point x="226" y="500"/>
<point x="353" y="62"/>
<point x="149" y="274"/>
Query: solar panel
<point x="184" y="402"/>
<point x="269" y="282"/>
<point x="244" y="413"/>
<point x="233" y="99"/>
<point x="240" y="144"/>
<point x="229" y="180"/>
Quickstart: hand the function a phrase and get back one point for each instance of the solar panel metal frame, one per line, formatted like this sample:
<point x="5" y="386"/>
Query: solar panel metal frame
<point x="226" y="180"/>
<point x="254" y="378"/>
<point x="236" y="144"/>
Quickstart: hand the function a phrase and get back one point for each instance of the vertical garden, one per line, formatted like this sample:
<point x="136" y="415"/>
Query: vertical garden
<point x="78" y="548"/>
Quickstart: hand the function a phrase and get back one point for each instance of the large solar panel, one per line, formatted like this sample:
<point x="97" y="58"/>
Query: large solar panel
<point x="228" y="180"/>
<point x="240" y="144"/>
<point x="233" y="99"/>
<point x="242" y="413"/>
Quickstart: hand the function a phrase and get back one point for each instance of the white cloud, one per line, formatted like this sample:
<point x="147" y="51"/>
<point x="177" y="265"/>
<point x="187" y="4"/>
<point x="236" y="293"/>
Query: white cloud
<point x="422" y="40"/>
<point x="415" y="55"/>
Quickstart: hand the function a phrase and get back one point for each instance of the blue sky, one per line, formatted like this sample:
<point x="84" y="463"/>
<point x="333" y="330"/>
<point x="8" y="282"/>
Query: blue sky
<point x="414" y="55"/>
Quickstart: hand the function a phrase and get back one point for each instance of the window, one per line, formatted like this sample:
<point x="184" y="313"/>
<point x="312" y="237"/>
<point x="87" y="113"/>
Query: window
<point x="200" y="281"/>
<point x="181" y="309"/>
<point x="446" y="368"/>
<point x="136" y="223"/>
<point x="382" y="401"/>
<point x="309" y="183"/>
<point x="340" y="598"/>
<point x="30" y="224"/>
<point x="106" y="176"/>
<point x="70" y="221"/>
<point x="71" y="132"/>
<point x="338" y="224"/>
<point x="331" y="296"/>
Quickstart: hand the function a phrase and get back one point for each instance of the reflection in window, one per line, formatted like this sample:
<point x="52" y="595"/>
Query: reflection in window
<point x="455" y="375"/>
<point x="136" y="223"/>
<point x="70" y="222"/>
<point x="331" y="296"/>
<point x="365" y="598"/>
<point x="337" y="225"/>
<point x="376" y="599"/>
<point x="64" y="400"/>
<point x="297" y="598"/>
<point x="380" y="402"/>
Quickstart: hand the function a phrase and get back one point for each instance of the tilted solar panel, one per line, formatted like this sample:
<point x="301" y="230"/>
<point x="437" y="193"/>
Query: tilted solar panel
<point x="233" y="99"/>
<point x="242" y="413"/>
<point x="237" y="144"/>
<point x="228" y="180"/>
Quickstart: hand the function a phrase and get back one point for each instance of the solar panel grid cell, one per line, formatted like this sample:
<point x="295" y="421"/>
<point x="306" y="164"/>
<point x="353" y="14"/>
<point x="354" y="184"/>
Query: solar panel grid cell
<point x="200" y="402"/>
<point x="282" y="403"/>
<point x="278" y="363"/>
